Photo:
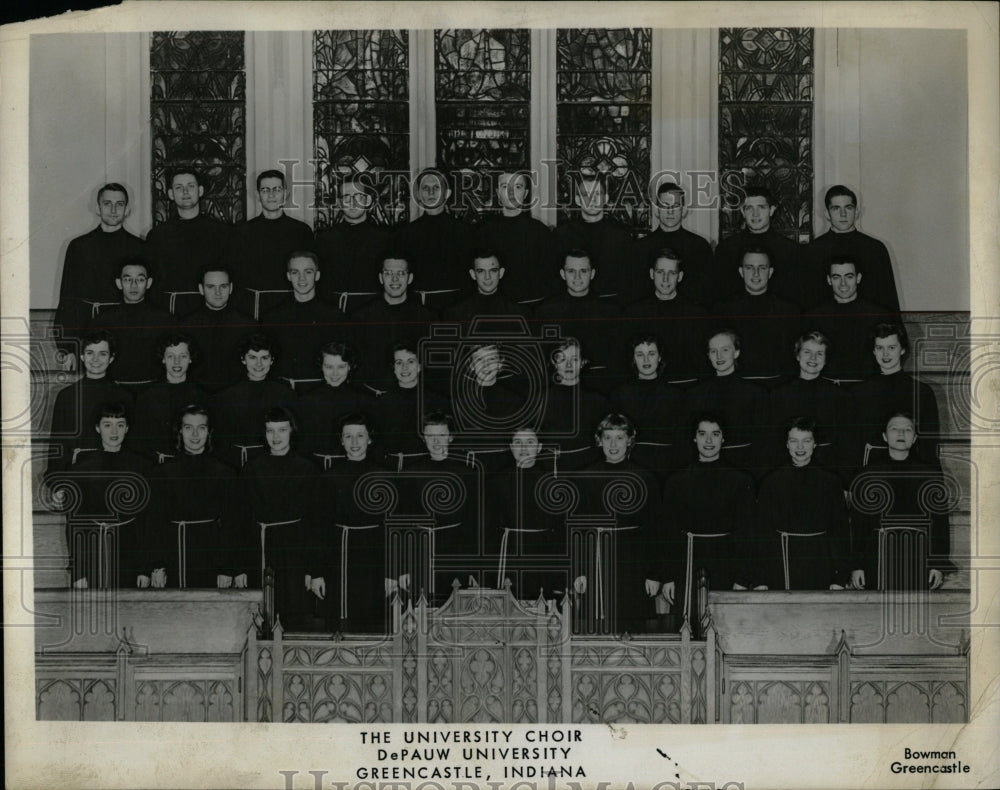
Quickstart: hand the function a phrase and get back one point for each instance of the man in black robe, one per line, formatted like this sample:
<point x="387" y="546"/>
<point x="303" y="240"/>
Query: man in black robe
<point x="767" y="323"/>
<point x="218" y="328"/>
<point x="489" y="300"/>
<point x="671" y="316"/>
<point x="263" y="244"/>
<point x="844" y="240"/>
<point x="520" y="241"/>
<point x="137" y="324"/>
<point x="803" y="541"/>
<point x="784" y="254"/>
<point x="351" y="250"/>
<point x="92" y="262"/>
<point x="304" y="323"/>
<point x="670" y="209"/>
<point x="179" y="247"/>
<point x="847" y="320"/>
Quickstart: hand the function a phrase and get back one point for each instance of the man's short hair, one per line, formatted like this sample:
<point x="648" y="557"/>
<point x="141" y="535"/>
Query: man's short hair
<point x="732" y="334"/>
<point x="175" y="339"/>
<point x="841" y="260"/>
<point x="302" y="254"/>
<point x="136" y="260"/>
<point x="615" y="422"/>
<point x="96" y="336"/>
<point x="270" y="174"/>
<point x="815" y="336"/>
<point x="755" y="249"/>
<point x="591" y="177"/>
<point x="182" y="171"/>
<point x="358" y="418"/>
<point x="337" y="348"/>
<point x="670" y="254"/>
<point x="884" y="330"/>
<point x="427" y="172"/>
<point x="670" y="186"/>
<point x="901" y="413"/>
<point x="435" y="418"/>
<point x="398" y="255"/>
<point x="801" y="424"/>
<point x="839" y="190"/>
<point x="708" y="416"/>
<point x="578" y="252"/>
<point x="110" y="409"/>
<point x="112" y="186"/>
<point x="759" y="190"/>
<point x="258" y="341"/>
<point x="197" y="410"/>
<point x="515" y="174"/>
<point x="282" y="414"/>
<point x="484" y="253"/>
<point x="205" y="268"/>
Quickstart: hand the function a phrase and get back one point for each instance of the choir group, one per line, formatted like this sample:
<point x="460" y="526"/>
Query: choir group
<point x="371" y="412"/>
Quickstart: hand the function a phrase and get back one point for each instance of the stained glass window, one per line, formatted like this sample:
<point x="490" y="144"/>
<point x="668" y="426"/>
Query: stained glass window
<point x="482" y="92"/>
<point x="198" y="108"/>
<point x="765" y="123"/>
<point x="604" y="115"/>
<point x="361" y="118"/>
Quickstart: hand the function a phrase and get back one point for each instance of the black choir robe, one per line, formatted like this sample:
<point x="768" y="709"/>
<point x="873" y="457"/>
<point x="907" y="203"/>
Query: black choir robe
<point x="238" y="413"/>
<point x="870" y="256"/>
<point x="847" y="326"/>
<point x="680" y="324"/>
<point x="378" y="326"/>
<point x="743" y="406"/>
<point x="137" y="328"/>
<point x="196" y="488"/>
<point x="218" y="335"/>
<point x="301" y="330"/>
<point x="351" y="261"/>
<point x="90" y="267"/>
<point x="290" y="488"/>
<point x="597" y="325"/>
<point x="906" y="480"/>
<point x="659" y="414"/>
<point x="153" y="429"/>
<point x="571" y="416"/>
<point x="398" y="413"/>
<point x="786" y="257"/>
<point x="802" y="501"/>
<point x="695" y="252"/>
<point x="75" y="412"/>
<point x="710" y="498"/>
<point x="259" y="257"/>
<point x="178" y="248"/>
<point x="523" y="244"/>
<point x="361" y="543"/>
<point x="768" y="326"/>
<point x="880" y="396"/>
<point x="608" y="243"/>
<point x="489" y="306"/>
<point x="321" y="411"/>
<point x="441" y="250"/>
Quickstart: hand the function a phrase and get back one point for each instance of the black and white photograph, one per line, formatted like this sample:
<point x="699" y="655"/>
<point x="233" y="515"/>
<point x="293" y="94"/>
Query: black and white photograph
<point x="499" y="396"/>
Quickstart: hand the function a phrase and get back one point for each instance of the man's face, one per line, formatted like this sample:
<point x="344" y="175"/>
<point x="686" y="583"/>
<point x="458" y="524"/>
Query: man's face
<point x="842" y="213"/>
<point x="354" y="203"/>
<point x="801" y="445"/>
<point x="278" y="436"/>
<point x="670" y="210"/>
<point x="756" y="272"/>
<point x="889" y="354"/>
<point x="590" y="198"/>
<point x="133" y="283"/>
<point x="512" y="190"/>
<point x="844" y="279"/>
<point x="258" y="363"/>
<point x="647" y="360"/>
<point x="112" y="208"/>
<point x="194" y="433"/>
<point x="485" y="363"/>
<point x="709" y="440"/>
<point x="356" y="440"/>
<point x="432" y="194"/>
<point x="112" y="431"/>
<point x="335" y="369"/>
<point x="271" y="193"/>
<point x="96" y="358"/>
<point x="577" y="272"/>
<point x="665" y="276"/>
<point x="757" y="214"/>
<point x="395" y="277"/>
<point x="722" y="353"/>
<point x="216" y="288"/>
<point x="812" y="359"/>
<point x="487" y="272"/>
<point x="184" y="191"/>
<point x="525" y="448"/>
<point x="302" y="274"/>
<point x="437" y="438"/>
<point x="900" y="434"/>
<point x="406" y="368"/>
<point x="176" y="361"/>
<point x="615" y="443"/>
<point x="567" y="363"/>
